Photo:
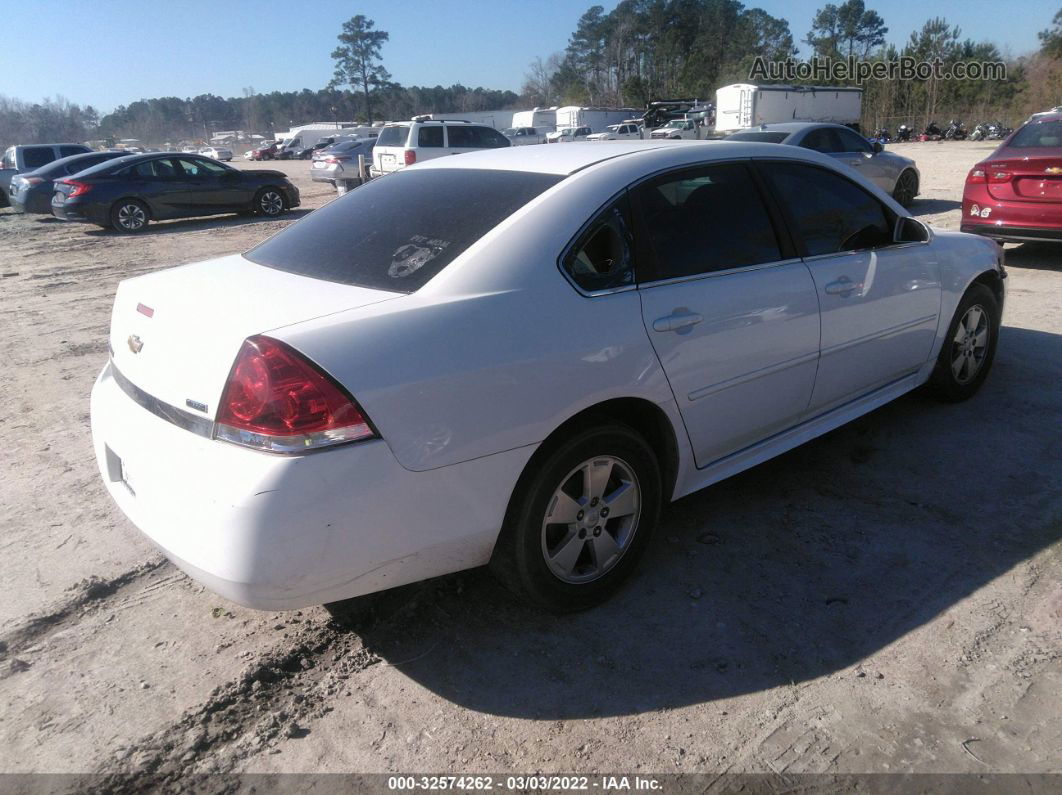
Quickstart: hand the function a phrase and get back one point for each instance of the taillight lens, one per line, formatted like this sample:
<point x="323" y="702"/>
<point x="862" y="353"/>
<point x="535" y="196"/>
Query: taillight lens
<point x="28" y="181"/>
<point x="410" y="156"/>
<point x="976" y="177"/>
<point x="997" y="175"/>
<point x="277" y="400"/>
<point x="79" y="187"/>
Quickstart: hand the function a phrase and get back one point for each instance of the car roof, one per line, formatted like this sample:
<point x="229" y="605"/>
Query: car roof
<point x="567" y="159"/>
<point x="1047" y="115"/>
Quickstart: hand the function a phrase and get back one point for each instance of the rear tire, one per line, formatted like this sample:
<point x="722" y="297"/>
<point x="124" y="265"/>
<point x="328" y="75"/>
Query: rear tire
<point x="969" y="346"/>
<point x="129" y="216"/>
<point x="579" y="521"/>
<point x="268" y="202"/>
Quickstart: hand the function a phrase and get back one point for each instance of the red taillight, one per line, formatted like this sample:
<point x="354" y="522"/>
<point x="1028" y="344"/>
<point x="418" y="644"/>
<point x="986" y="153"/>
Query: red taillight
<point x="976" y="177"/>
<point x="79" y="187"/>
<point x="276" y="400"/>
<point x="411" y="156"/>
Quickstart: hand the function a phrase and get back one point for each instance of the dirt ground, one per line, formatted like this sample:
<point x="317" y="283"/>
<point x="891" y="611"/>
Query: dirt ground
<point x="887" y="598"/>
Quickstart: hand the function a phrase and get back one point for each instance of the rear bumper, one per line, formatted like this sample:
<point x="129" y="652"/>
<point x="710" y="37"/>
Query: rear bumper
<point x="74" y="211"/>
<point x="1014" y="234"/>
<point x="279" y="532"/>
<point x="983" y="214"/>
<point x="31" y="201"/>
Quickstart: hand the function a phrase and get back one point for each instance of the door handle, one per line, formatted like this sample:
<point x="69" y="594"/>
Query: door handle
<point x="842" y="287"/>
<point x="677" y="321"/>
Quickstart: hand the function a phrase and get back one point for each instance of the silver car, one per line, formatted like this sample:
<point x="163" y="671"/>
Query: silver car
<point x="340" y="160"/>
<point x="896" y="175"/>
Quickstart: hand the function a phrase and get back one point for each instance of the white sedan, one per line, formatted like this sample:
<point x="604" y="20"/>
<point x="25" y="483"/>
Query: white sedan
<point x="216" y="153"/>
<point x="399" y="385"/>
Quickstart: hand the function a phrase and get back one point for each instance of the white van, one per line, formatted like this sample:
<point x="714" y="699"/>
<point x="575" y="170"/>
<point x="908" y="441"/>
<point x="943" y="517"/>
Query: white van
<point x="404" y="143"/>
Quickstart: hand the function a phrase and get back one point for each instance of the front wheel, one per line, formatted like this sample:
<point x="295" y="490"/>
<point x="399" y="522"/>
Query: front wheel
<point x="129" y="216"/>
<point x="969" y="346"/>
<point x="268" y="202"/>
<point x="579" y="522"/>
<point x="906" y="188"/>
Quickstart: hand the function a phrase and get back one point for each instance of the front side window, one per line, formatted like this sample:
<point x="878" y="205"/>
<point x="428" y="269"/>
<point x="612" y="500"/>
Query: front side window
<point x="397" y="233"/>
<point x="852" y="142"/>
<point x="830" y="213"/>
<point x="163" y="167"/>
<point x="707" y="219"/>
<point x="430" y="137"/>
<point x="602" y="257"/>
<point x="37" y="156"/>
<point x="823" y="139"/>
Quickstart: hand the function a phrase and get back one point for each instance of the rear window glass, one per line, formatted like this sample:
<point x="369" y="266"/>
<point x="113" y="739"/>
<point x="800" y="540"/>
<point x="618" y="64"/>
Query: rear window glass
<point x="393" y="136"/>
<point x="761" y="137"/>
<point x="1046" y="134"/>
<point x="397" y="232"/>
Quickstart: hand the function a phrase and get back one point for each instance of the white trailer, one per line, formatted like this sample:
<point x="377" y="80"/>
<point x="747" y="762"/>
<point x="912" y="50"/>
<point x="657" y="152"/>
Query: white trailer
<point x="544" y="120"/>
<point x="298" y="138"/>
<point x="498" y="119"/>
<point x="743" y="105"/>
<point x="597" y="119"/>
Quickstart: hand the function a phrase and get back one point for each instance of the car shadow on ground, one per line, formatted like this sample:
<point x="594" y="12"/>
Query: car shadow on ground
<point x="797" y="569"/>
<point x="1036" y="256"/>
<point x="932" y="206"/>
<point x="199" y="224"/>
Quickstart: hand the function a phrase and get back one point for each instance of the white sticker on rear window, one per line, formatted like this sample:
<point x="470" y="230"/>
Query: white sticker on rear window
<point x="414" y="255"/>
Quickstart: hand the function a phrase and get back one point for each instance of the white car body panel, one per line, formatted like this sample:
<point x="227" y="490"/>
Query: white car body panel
<point x="465" y="378"/>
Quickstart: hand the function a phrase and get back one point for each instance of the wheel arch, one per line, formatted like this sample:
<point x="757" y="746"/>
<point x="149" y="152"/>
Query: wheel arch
<point x="994" y="281"/>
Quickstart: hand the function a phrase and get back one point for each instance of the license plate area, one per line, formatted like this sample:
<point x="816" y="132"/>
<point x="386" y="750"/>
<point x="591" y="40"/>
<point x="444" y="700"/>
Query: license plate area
<point x="118" y="469"/>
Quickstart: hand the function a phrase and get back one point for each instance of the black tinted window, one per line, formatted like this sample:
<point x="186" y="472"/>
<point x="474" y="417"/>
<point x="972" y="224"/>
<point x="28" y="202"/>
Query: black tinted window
<point x="430" y="136"/>
<point x="601" y="258"/>
<point x="823" y="139"/>
<point x="852" y="142"/>
<point x="154" y="168"/>
<point x="460" y="137"/>
<point x="397" y="233"/>
<point x="81" y="163"/>
<point x="394" y="136"/>
<point x="489" y="138"/>
<point x="760" y="137"/>
<point x="707" y="219"/>
<point x="831" y="213"/>
<point x="37" y="156"/>
<point x="66" y="151"/>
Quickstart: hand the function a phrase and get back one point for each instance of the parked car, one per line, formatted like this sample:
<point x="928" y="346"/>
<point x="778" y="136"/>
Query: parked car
<point x="128" y="193"/>
<point x="266" y="152"/>
<point x="340" y="161"/>
<point x="679" y="129"/>
<point x="403" y="385"/>
<point x="307" y="152"/>
<point x="404" y="143"/>
<point x="896" y="175"/>
<point x="249" y="154"/>
<point x="628" y="131"/>
<point x="32" y="192"/>
<point x="1016" y="192"/>
<point x="18" y="159"/>
<point x="522" y="136"/>
<point x="567" y="135"/>
<point x="217" y="153"/>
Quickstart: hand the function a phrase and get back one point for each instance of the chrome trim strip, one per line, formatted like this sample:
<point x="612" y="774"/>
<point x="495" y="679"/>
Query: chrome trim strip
<point x="879" y="335"/>
<point x="182" y="419"/>
<point x="715" y="274"/>
<point x="770" y="369"/>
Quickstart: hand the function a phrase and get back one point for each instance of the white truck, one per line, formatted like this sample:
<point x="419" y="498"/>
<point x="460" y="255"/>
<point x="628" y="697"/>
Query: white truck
<point x="744" y="105"/>
<point x="303" y="137"/>
<point x="597" y="119"/>
<point x="680" y="129"/>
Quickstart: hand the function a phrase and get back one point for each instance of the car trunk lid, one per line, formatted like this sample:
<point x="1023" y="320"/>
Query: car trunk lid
<point x="1034" y="175"/>
<point x="176" y="333"/>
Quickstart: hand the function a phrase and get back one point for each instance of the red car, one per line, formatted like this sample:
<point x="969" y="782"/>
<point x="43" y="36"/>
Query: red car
<point x="1015" y="194"/>
<point x="267" y="152"/>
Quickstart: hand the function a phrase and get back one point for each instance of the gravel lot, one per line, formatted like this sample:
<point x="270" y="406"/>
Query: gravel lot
<point x="887" y="598"/>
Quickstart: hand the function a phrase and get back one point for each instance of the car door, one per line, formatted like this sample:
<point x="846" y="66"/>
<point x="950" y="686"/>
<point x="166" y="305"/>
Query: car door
<point x="209" y="191"/>
<point x="731" y="311"/>
<point x="161" y="183"/>
<point x="459" y="139"/>
<point x="879" y="299"/>
<point x="859" y="153"/>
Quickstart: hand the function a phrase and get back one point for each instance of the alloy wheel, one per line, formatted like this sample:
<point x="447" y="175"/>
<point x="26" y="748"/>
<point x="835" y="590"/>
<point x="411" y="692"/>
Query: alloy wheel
<point x="131" y="217"/>
<point x="970" y="345"/>
<point x="591" y="520"/>
<point x="271" y="203"/>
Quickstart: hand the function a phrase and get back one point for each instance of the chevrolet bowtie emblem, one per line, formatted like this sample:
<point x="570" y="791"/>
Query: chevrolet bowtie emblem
<point x="1053" y="170"/>
<point x="135" y="343"/>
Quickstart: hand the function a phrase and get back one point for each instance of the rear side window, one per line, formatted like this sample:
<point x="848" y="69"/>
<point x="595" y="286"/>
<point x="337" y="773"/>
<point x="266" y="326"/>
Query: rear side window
<point x="707" y="219"/>
<point x="461" y="137"/>
<point x="398" y="232"/>
<point x="602" y="257"/>
<point x="84" y="162"/>
<point x="37" y="156"/>
<point x="831" y="214"/>
<point x="393" y="136"/>
<point x="431" y="137"/>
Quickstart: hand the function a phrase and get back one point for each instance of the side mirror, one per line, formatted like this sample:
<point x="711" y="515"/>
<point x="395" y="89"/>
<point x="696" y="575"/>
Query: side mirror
<point x="911" y="230"/>
<point x="878" y="147"/>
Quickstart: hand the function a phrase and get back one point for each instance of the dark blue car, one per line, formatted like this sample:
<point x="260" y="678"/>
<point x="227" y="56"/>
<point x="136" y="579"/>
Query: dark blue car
<point x="32" y="192"/>
<point x="127" y="193"/>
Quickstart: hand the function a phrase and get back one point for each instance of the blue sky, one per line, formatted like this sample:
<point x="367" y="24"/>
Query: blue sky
<point x="108" y="53"/>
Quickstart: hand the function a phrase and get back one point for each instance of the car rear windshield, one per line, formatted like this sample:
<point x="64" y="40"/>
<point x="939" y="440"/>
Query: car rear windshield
<point x="393" y="136"/>
<point x="397" y="232"/>
<point x="761" y="137"/>
<point x="1045" y="134"/>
